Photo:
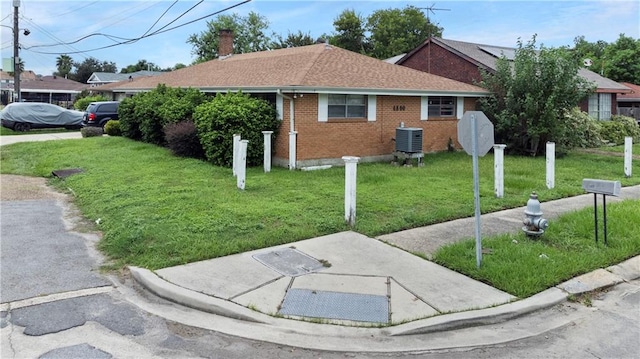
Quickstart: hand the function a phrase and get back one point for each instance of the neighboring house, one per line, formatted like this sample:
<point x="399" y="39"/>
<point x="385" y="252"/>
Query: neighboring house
<point x="6" y="84"/>
<point x="463" y="61"/>
<point x="333" y="102"/>
<point x="629" y="103"/>
<point x="51" y="89"/>
<point x="102" y="78"/>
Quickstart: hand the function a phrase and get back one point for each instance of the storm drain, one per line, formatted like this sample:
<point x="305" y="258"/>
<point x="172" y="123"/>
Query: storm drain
<point x="62" y="174"/>
<point x="289" y="262"/>
<point x="335" y="305"/>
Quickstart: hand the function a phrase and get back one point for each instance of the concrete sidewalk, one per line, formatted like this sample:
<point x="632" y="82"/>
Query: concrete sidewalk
<point x="364" y="284"/>
<point x="7" y="140"/>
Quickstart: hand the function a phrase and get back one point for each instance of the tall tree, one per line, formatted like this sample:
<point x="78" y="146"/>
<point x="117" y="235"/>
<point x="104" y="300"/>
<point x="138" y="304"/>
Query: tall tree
<point x="293" y="40"/>
<point x="90" y="65"/>
<point x="350" y="32"/>
<point x="141" y="65"/>
<point x="396" y="31"/>
<point x="530" y="95"/>
<point x="249" y="35"/>
<point x="64" y="64"/>
<point x="621" y="60"/>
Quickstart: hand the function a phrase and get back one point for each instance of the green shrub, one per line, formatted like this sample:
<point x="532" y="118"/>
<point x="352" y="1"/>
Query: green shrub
<point x="182" y="139"/>
<point x="112" y="128"/>
<point x="82" y="103"/>
<point x="234" y="113"/>
<point x="582" y="131"/>
<point x="91" y="131"/>
<point x="145" y="115"/>
<point x="619" y="127"/>
<point x="129" y="122"/>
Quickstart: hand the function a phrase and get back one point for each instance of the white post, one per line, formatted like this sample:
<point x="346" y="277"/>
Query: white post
<point x="628" y="141"/>
<point x="242" y="163"/>
<point x="292" y="150"/>
<point x="498" y="169"/>
<point x="236" y="148"/>
<point x="267" y="150"/>
<point x="350" y="172"/>
<point x="551" y="165"/>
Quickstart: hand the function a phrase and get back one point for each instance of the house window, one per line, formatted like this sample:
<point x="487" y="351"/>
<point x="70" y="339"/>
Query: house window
<point x="347" y="106"/>
<point x="442" y="106"/>
<point x="600" y="106"/>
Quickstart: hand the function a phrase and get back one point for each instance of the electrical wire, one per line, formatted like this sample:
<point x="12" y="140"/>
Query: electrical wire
<point x="130" y="41"/>
<point x="161" y="16"/>
<point x="74" y="10"/>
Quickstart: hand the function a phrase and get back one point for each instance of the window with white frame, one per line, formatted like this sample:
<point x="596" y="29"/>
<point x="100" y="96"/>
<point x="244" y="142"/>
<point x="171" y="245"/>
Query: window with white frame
<point x="347" y="106"/>
<point x="442" y="106"/>
<point x="600" y="106"/>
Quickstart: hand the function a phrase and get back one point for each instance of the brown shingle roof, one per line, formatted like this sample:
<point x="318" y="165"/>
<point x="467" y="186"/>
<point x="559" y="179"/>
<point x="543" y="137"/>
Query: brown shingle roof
<point x="310" y="67"/>
<point x="634" y="95"/>
<point x="46" y="83"/>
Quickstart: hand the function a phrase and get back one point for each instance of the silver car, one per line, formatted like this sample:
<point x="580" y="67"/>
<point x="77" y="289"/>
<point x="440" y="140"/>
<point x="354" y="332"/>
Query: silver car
<point x="23" y="116"/>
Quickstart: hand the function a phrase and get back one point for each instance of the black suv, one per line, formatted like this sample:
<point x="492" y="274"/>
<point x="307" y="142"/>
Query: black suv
<point x="98" y="113"/>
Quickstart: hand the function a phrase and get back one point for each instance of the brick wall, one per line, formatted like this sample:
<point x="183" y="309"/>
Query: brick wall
<point x="334" y="139"/>
<point x="436" y="60"/>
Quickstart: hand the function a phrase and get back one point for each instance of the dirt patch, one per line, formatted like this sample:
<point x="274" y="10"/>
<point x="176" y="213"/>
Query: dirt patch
<point x="20" y="188"/>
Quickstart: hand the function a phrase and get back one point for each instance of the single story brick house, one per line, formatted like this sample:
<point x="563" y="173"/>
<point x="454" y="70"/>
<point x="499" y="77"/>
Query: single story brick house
<point x="462" y="61"/>
<point x="629" y="103"/>
<point x="332" y="102"/>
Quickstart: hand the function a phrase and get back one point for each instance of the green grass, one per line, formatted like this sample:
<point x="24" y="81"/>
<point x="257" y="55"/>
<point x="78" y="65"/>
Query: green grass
<point x="635" y="148"/>
<point x="524" y="266"/>
<point x="157" y="210"/>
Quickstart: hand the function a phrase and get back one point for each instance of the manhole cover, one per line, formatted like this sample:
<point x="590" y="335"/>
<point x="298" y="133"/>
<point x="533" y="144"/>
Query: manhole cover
<point x="289" y="262"/>
<point x="335" y="305"/>
<point x="62" y="174"/>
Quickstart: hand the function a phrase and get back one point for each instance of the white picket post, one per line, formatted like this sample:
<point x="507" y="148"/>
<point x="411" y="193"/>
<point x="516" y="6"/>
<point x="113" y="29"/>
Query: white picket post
<point x="267" y="150"/>
<point x="551" y="165"/>
<point x="236" y="148"/>
<point x="242" y="164"/>
<point x="350" y="173"/>
<point x="628" y="142"/>
<point x="292" y="150"/>
<point x="498" y="169"/>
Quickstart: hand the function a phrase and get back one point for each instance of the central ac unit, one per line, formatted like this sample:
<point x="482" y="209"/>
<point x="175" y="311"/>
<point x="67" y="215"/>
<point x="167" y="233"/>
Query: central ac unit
<point x="408" y="139"/>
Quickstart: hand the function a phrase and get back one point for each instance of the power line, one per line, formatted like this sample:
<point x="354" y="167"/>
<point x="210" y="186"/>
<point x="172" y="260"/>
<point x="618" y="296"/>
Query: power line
<point x="74" y="10"/>
<point x="129" y="41"/>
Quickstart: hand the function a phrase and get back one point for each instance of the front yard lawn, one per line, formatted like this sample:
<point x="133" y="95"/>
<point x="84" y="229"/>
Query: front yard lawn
<point x="156" y="210"/>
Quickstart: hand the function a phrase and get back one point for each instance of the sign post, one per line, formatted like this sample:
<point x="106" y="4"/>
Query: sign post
<point x="475" y="134"/>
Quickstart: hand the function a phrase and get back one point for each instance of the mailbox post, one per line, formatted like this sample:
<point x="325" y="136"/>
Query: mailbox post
<point x="605" y="188"/>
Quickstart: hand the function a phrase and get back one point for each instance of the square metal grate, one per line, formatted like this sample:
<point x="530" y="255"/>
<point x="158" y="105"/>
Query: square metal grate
<point x="336" y="305"/>
<point x="289" y="262"/>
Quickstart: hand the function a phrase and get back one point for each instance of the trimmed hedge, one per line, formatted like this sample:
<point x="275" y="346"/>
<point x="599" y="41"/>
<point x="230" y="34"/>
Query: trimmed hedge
<point x="234" y="113"/>
<point x="182" y="140"/>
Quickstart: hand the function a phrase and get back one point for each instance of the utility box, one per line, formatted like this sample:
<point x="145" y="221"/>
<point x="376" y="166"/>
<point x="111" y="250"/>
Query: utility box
<point x="409" y="139"/>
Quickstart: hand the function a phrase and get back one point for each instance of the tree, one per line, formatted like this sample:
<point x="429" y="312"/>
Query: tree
<point x="249" y="35"/>
<point x="530" y="96"/>
<point x="396" y="31"/>
<point x="350" y="30"/>
<point x="90" y="65"/>
<point x="293" y="40"/>
<point x="621" y="60"/>
<point x="64" y="63"/>
<point x="141" y="65"/>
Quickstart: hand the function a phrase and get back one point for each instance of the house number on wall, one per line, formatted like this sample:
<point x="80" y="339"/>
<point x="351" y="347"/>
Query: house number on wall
<point x="398" y="108"/>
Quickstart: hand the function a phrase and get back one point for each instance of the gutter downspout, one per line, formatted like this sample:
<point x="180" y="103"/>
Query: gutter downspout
<point x="292" y="132"/>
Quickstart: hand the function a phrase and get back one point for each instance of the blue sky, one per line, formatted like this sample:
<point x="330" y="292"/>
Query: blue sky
<point x="556" y="23"/>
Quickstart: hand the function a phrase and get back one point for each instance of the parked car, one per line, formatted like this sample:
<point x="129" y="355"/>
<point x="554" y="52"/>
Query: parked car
<point x="23" y="116"/>
<point x="98" y="114"/>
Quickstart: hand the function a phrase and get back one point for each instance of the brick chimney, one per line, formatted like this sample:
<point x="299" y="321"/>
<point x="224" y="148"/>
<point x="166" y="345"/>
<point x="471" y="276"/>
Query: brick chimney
<point x="225" y="43"/>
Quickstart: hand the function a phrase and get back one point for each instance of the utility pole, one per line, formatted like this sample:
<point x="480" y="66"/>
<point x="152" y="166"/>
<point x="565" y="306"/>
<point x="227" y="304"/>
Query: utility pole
<point x="16" y="50"/>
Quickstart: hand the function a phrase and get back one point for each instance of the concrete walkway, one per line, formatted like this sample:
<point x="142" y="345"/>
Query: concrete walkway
<point x="7" y="140"/>
<point x="368" y="287"/>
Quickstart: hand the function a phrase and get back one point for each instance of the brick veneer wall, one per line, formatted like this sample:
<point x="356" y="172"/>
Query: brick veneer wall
<point x="325" y="141"/>
<point x="443" y="63"/>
